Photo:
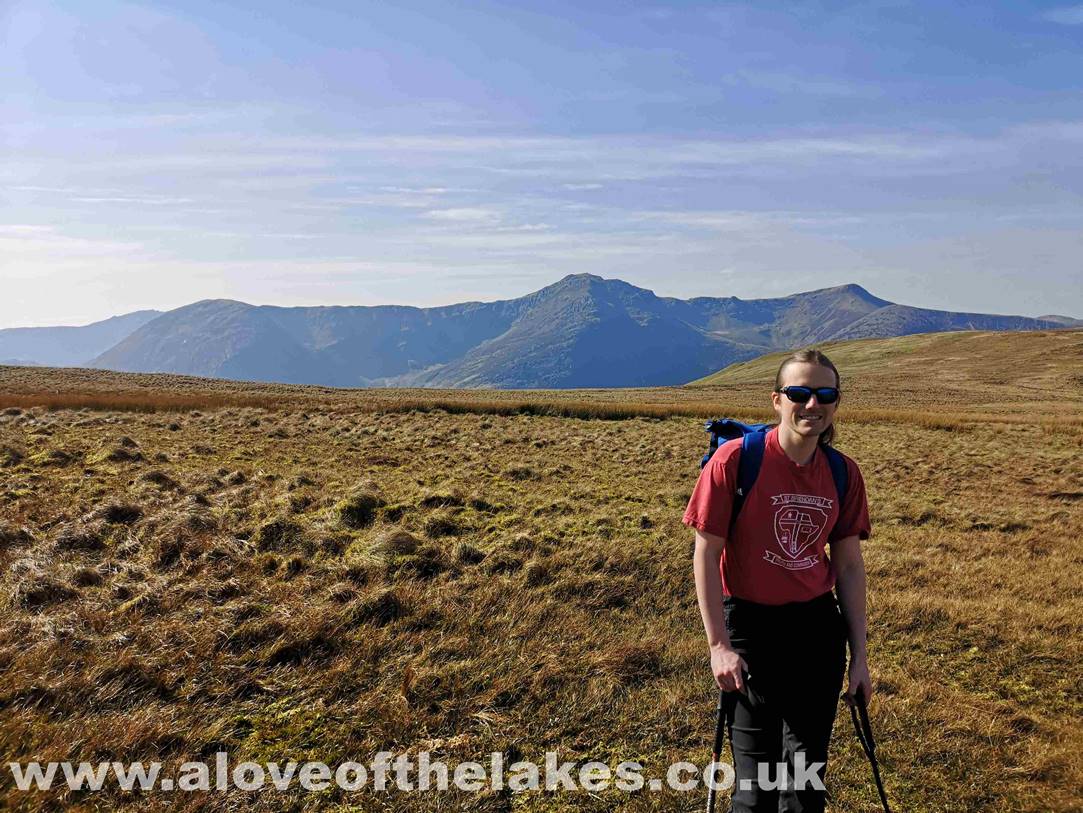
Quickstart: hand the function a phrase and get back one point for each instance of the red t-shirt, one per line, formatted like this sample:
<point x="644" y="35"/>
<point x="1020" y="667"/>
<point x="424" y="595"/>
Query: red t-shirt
<point x="776" y="553"/>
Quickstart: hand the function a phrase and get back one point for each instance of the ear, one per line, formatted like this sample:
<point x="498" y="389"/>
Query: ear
<point x="776" y="401"/>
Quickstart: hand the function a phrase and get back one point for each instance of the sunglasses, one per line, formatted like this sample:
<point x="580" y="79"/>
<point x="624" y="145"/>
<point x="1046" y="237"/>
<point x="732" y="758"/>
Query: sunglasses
<point x="801" y="395"/>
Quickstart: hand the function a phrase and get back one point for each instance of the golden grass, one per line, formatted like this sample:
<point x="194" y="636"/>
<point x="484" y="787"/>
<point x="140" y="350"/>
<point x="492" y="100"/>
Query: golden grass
<point x="346" y="572"/>
<point x="1032" y="372"/>
<point x="869" y="398"/>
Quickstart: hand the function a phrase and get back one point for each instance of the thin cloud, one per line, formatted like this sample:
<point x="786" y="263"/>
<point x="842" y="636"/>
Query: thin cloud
<point x="464" y="215"/>
<point x="789" y="83"/>
<point x="748" y="220"/>
<point x="391" y="200"/>
<point x="541" y="156"/>
<point x="526" y="227"/>
<point x="141" y="201"/>
<point x="47" y="244"/>
<point x="23" y="228"/>
<point x="1064" y="15"/>
<point x="50" y="189"/>
<point x="240" y="235"/>
<point x="424" y="190"/>
<point x="1053" y="130"/>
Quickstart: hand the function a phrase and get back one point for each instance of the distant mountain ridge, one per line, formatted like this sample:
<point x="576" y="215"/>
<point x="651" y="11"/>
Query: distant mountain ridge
<point x="1063" y="321"/>
<point x="68" y="346"/>
<point x="582" y="331"/>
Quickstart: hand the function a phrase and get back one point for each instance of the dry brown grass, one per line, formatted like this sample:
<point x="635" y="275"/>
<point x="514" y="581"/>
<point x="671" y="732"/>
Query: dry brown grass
<point x="512" y="582"/>
<point x="1036" y="372"/>
<point x="948" y="381"/>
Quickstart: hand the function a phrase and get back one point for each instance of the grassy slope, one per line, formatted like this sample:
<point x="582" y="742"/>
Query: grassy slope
<point x="1028" y="370"/>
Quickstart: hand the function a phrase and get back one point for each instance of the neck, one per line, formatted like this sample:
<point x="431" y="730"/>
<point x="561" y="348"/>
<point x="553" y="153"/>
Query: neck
<point x="798" y="448"/>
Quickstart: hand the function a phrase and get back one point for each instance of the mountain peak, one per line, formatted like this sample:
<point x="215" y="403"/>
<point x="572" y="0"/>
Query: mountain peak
<point x="579" y="282"/>
<point x="581" y="276"/>
<point x="205" y="302"/>
<point x="854" y="288"/>
<point x="584" y="281"/>
<point x="850" y="289"/>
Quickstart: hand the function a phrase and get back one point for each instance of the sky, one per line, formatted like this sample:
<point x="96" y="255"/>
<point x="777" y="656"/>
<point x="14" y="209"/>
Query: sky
<point x="423" y="153"/>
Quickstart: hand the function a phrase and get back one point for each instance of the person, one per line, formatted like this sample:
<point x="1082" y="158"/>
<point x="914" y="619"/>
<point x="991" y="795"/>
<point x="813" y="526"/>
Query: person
<point x="764" y="584"/>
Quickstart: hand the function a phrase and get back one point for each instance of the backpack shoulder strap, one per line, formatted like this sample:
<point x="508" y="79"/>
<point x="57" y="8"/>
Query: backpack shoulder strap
<point x="748" y="469"/>
<point x="839" y="473"/>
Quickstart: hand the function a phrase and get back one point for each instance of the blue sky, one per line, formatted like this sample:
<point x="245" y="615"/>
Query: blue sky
<point x="426" y="153"/>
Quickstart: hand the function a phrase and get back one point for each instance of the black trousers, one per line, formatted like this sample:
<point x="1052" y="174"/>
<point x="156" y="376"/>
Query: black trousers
<point x="796" y="656"/>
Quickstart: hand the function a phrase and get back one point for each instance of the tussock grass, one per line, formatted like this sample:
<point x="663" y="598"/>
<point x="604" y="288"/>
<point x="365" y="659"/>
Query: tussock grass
<point x="359" y="509"/>
<point x="173" y="607"/>
<point x="13" y="535"/>
<point x="621" y="411"/>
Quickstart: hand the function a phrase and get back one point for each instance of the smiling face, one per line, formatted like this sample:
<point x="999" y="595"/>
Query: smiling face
<point x="810" y="419"/>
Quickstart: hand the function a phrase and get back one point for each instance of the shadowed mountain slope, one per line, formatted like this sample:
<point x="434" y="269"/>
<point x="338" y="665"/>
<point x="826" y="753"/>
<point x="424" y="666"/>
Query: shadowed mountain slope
<point x="69" y="346"/>
<point x="583" y="331"/>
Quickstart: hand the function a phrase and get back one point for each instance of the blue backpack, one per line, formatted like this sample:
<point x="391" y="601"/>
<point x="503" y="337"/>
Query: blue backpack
<point x="753" y="437"/>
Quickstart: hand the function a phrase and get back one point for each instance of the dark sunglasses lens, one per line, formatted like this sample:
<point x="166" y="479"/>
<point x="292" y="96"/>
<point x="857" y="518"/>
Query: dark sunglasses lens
<point x="827" y="395"/>
<point x="799" y="395"/>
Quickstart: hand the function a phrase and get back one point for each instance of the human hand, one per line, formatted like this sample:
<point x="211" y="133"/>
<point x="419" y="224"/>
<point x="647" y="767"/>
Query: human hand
<point x="859" y="681"/>
<point x="729" y="669"/>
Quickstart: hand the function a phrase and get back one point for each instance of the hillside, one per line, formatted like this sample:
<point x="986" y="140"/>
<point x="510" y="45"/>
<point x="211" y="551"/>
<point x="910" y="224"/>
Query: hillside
<point x="69" y="346"/>
<point x="1064" y="321"/>
<point x="583" y="331"/>
<point x="968" y="370"/>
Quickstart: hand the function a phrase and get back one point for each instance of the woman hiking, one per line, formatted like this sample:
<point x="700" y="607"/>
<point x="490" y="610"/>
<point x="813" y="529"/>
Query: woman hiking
<point x="764" y="583"/>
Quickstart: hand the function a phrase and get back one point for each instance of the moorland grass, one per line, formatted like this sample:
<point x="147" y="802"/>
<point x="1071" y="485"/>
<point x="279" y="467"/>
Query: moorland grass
<point x="510" y="582"/>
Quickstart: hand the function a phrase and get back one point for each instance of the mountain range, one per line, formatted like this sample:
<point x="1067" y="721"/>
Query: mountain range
<point x="68" y="346"/>
<point x="583" y="331"/>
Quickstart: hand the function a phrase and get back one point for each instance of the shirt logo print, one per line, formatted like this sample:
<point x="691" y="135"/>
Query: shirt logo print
<point x="798" y="523"/>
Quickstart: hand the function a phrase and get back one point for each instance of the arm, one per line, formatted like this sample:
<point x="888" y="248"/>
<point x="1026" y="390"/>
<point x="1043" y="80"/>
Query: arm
<point x="850" y="584"/>
<point x="725" y="663"/>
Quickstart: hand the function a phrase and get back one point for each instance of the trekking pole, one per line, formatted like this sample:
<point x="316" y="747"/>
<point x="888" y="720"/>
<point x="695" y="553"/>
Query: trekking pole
<point x="716" y="753"/>
<point x="724" y="711"/>
<point x="868" y="744"/>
